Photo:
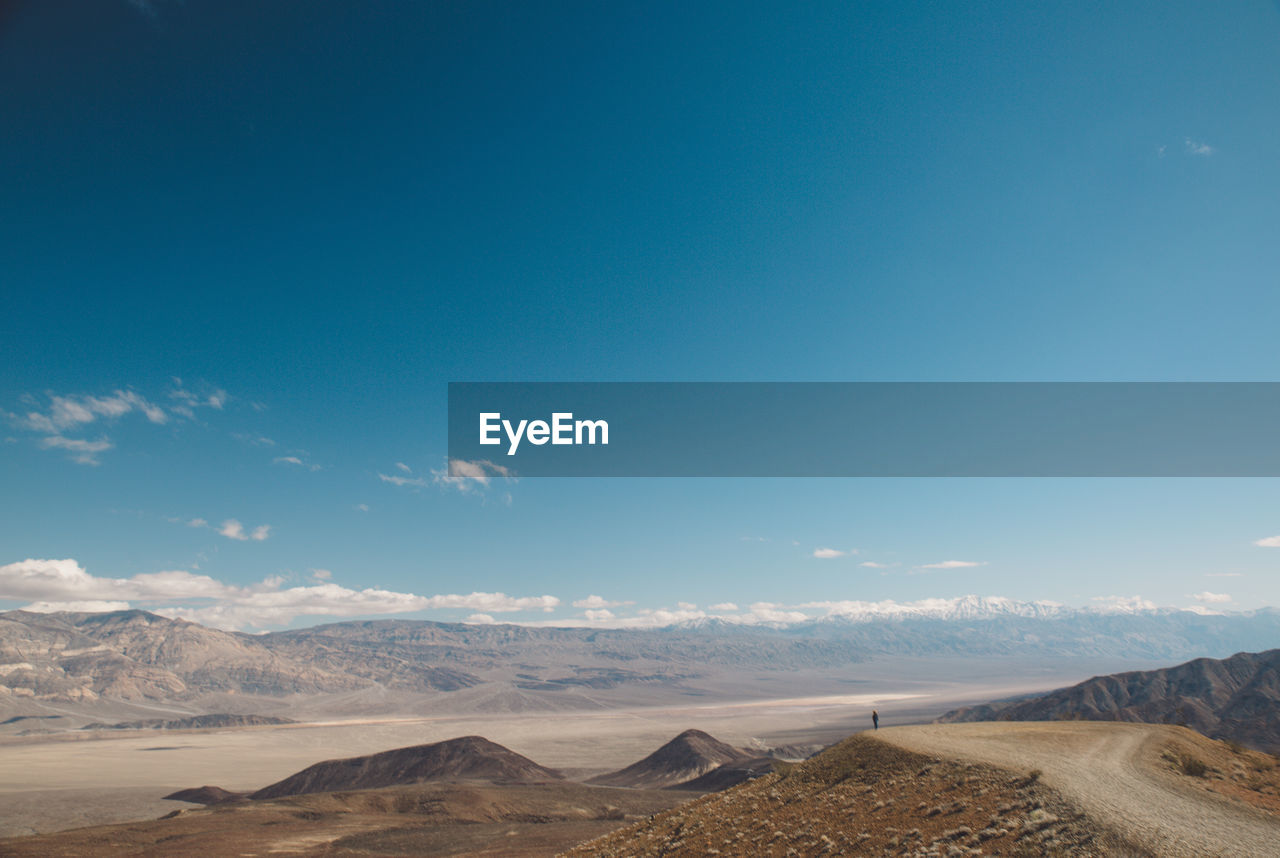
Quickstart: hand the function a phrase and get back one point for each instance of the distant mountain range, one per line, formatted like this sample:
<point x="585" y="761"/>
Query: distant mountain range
<point x="1236" y="698"/>
<point x="135" y="656"/>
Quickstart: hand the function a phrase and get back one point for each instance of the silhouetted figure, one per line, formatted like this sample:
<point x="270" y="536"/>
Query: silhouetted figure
<point x="875" y="719"/>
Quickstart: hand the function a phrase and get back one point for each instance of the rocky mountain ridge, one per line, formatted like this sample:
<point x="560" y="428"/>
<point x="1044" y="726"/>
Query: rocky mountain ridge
<point x="138" y="657"/>
<point x="1236" y="698"/>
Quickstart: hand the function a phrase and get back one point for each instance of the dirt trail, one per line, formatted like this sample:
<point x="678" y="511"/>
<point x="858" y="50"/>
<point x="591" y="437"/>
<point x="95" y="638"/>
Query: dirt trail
<point x="1112" y="771"/>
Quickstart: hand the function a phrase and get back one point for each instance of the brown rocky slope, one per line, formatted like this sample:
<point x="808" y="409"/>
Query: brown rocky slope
<point x="1236" y="698"/>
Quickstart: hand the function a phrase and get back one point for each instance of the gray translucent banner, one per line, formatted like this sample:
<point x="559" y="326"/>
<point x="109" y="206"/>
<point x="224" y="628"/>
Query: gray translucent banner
<point x="867" y="429"/>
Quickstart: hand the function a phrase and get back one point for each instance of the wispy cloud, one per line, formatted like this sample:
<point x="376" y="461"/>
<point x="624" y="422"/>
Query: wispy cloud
<point x="597" y="602"/>
<point x="871" y="564"/>
<point x="1195" y="147"/>
<point x="64" y="415"/>
<point x="254" y="440"/>
<point x="82" y="452"/>
<point x="296" y="462"/>
<point x="402" y="481"/>
<point x="469" y="476"/>
<point x="185" y="401"/>
<point x="233" y="529"/>
<point x="1207" y="598"/>
<point x="67" y="412"/>
<point x="831" y="553"/>
<point x="953" y="564"/>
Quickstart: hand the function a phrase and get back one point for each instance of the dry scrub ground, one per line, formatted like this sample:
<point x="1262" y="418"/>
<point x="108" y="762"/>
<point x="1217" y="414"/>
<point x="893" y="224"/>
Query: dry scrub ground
<point x="866" y="797"/>
<point x="1225" y="768"/>
<point x="433" y="819"/>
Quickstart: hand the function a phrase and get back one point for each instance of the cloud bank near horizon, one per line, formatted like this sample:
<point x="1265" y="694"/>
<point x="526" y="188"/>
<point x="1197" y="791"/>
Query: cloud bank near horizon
<point x="64" y="585"/>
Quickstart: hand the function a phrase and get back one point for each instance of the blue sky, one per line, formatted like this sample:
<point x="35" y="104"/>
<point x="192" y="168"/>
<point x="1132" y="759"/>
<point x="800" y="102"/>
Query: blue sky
<point x="315" y="217"/>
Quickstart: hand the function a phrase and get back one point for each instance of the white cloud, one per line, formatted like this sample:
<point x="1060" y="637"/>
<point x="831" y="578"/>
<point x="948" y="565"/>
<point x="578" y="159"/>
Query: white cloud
<point x="55" y="584"/>
<point x="494" y="602"/>
<point x="362" y="507"/>
<point x="469" y="476"/>
<point x="480" y="620"/>
<point x="871" y="564"/>
<point x="294" y="460"/>
<point x="403" y="467"/>
<point x="769" y="612"/>
<point x="656" y="618"/>
<point x="233" y="529"/>
<point x="1207" y="598"/>
<point x="74" y="413"/>
<point x="952" y="564"/>
<point x="830" y="553"/>
<point x="321" y="574"/>
<point x="186" y="401"/>
<point x="67" y="581"/>
<point x="1268" y="542"/>
<point x="88" y="607"/>
<point x="1124" y="604"/>
<point x="597" y="602"/>
<point x="959" y="607"/>
<point x="68" y="412"/>
<point x="82" y="452"/>
<point x="402" y="481"/>
<point x="268" y="606"/>
<point x="759" y="613"/>
<point x="1196" y="148"/>
<point x="197" y="522"/>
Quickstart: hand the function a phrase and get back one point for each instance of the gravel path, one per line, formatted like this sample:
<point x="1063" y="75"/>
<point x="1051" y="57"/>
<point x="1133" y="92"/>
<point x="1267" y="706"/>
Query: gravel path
<point x="1112" y="772"/>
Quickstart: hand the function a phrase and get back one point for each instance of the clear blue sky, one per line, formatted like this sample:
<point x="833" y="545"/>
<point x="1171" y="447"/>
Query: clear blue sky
<point x="316" y="215"/>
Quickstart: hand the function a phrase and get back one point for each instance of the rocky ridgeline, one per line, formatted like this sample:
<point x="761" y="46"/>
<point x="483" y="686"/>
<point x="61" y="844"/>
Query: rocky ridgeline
<point x="1236" y="698"/>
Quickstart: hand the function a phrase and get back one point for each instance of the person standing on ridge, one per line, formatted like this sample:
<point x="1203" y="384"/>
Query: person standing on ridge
<point x="875" y="720"/>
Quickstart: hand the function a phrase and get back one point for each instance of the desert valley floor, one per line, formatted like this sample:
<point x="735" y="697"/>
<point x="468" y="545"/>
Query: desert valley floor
<point x="59" y="780"/>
